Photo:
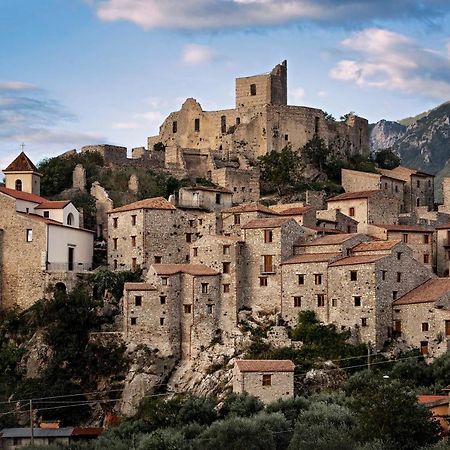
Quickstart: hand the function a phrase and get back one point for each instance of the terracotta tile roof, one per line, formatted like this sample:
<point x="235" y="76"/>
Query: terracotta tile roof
<point x="53" y="205"/>
<point x="374" y="246"/>
<point x="325" y="230"/>
<point x="89" y="431"/>
<point x="360" y="259"/>
<point x="21" y="164"/>
<point x="283" y="206"/>
<point x="208" y="188"/>
<point x="20" y="195"/>
<point x="295" y="211"/>
<point x="334" y="239"/>
<point x="266" y="223"/>
<point x="353" y="195"/>
<point x="139" y="287"/>
<point x="410" y="228"/>
<point x="51" y="222"/>
<point x="427" y="292"/>
<point x="191" y="269"/>
<point x="424" y="399"/>
<point x="250" y="207"/>
<point x="265" y="365"/>
<point x="311" y="257"/>
<point x="148" y="203"/>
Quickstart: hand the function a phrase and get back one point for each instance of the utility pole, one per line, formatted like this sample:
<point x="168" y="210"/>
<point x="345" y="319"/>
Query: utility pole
<point x="31" y="423"/>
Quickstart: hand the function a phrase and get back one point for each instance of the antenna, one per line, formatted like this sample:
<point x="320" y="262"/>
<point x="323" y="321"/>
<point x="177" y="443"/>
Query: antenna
<point x="22" y="145"/>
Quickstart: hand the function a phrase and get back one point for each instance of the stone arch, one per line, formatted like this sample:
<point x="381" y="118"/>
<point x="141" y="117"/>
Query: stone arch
<point x="18" y="185"/>
<point x="60" y="287"/>
<point x="70" y="219"/>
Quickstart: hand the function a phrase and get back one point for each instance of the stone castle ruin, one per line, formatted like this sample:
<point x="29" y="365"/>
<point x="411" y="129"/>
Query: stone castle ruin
<point x="223" y="146"/>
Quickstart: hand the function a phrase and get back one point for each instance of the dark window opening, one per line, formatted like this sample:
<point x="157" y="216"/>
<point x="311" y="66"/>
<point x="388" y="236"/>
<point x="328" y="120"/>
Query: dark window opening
<point x="316" y="125"/>
<point x="174" y="126"/>
<point x="162" y="299"/>
<point x="223" y="124"/>
<point x="301" y="279"/>
<point x="197" y="125"/>
<point x="18" y="185"/>
<point x="253" y="89"/>
<point x="297" y="302"/>
<point x="353" y="275"/>
<point x="138" y="300"/>
<point x="357" y="300"/>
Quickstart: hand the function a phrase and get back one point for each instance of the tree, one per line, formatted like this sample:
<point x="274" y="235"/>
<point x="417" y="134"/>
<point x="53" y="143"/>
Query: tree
<point x="280" y="171"/>
<point x="242" y="405"/>
<point x="387" y="159"/>
<point x="385" y="408"/>
<point x="316" y="152"/>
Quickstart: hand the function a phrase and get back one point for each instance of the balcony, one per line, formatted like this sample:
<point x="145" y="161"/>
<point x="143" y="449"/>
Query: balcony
<point x="69" y="267"/>
<point x="267" y="269"/>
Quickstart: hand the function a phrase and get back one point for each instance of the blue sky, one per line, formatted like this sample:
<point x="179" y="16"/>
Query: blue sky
<point x="76" y="72"/>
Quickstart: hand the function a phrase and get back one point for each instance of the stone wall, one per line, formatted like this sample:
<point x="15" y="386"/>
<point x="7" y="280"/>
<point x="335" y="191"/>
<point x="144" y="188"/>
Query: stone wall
<point x="112" y="154"/>
<point x="23" y="269"/>
<point x="103" y="205"/>
<point x="79" y="177"/>
<point x="281" y="387"/>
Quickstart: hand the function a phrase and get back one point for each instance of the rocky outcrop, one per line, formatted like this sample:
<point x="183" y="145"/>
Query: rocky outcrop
<point x="384" y="134"/>
<point x="37" y="356"/>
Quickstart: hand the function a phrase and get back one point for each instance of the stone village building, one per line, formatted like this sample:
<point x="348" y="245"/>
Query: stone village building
<point x="42" y="243"/>
<point x="268" y="380"/>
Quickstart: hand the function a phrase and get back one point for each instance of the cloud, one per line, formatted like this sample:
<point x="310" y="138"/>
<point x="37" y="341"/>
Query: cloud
<point x="213" y="14"/>
<point x="28" y="114"/>
<point x="197" y="54"/>
<point x="297" y="94"/>
<point x="383" y="59"/>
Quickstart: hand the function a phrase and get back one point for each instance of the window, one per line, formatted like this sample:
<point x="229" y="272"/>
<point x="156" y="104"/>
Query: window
<point x="187" y="309"/>
<point x="226" y="266"/>
<point x="133" y="220"/>
<point x="268" y="236"/>
<point x="385" y="185"/>
<point x="394" y="295"/>
<point x="405" y="238"/>
<point x="253" y="89"/>
<point x="46" y="213"/>
<point x="297" y="302"/>
<point x="162" y="299"/>
<point x="29" y="235"/>
<point x="204" y="288"/>
<point x="268" y="267"/>
<point x="316" y="125"/>
<point x="114" y="243"/>
<point x="138" y="300"/>
<point x="158" y="259"/>
<point x="353" y="275"/>
<point x="364" y="321"/>
<point x="226" y="288"/>
<point x="188" y="237"/>
<point x="223" y="124"/>
<point x="263" y="281"/>
<point x="396" y="188"/>
<point x="197" y="125"/>
<point x="426" y="258"/>
<point x="133" y="263"/>
<point x="218" y="199"/>
<point x="424" y="348"/>
<point x="318" y="278"/>
<point x="174" y="126"/>
<point x="133" y="241"/>
<point x="200" y="221"/>
<point x="357" y="300"/>
<point x="194" y="251"/>
<point x="226" y="250"/>
<point x="209" y="309"/>
<point x="267" y="380"/>
<point x="351" y="212"/>
<point x="320" y="300"/>
<point x="238" y="120"/>
<point x="334" y="302"/>
<point x="418" y="202"/>
<point x="399" y="255"/>
<point x="164" y="281"/>
<point x="426" y="238"/>
<point x="301" y="279"/>
<point x="286" y="137"/>
<point x="424" y="326"/>
<point x="237" y="219"/>
<point x="399" y="277"/>
<point x="398" y="326"/>
<point x="115" y="264"/>
<point x="115" y="222"/>
<point x="161" y="321"/>
<point x="418" y="183"/>
<point x="447" y="327"/>
<point x="133" y="321"/>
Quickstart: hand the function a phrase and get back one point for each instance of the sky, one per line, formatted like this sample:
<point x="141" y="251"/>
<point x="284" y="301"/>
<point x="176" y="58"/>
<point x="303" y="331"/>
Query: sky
<point x="78" y="72"/>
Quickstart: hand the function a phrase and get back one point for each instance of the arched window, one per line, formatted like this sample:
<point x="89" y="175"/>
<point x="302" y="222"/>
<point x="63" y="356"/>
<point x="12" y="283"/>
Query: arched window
<point x="418" y="201"/>
<point x="70" y="219"/>
<point x="18" y="185"/>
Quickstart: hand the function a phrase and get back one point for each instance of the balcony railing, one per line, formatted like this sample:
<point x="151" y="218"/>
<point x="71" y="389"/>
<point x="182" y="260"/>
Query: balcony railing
<point x="69" y="267"/>
<point x="267" y="269"/>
